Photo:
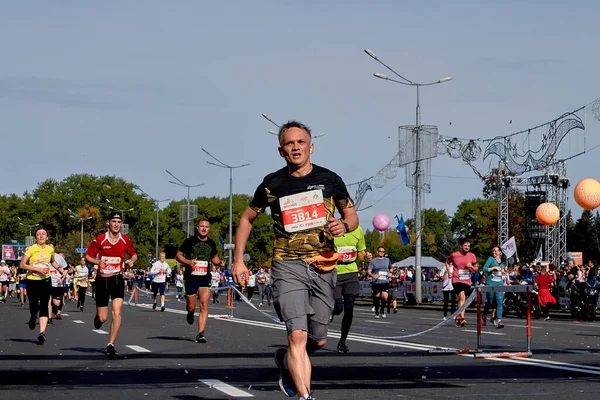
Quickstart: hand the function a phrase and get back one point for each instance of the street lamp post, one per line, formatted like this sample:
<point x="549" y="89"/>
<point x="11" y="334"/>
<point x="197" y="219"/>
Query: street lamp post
<point x="157" y="209"/>
<point x="265" y="116"/>
<point x="121" y="210"/>
<point x="81" y="219"/>
<point x="180" y="183"/>
<point x="221" y="164"/>
<point x="30" y="226"/>
<point x="418" y="228"/>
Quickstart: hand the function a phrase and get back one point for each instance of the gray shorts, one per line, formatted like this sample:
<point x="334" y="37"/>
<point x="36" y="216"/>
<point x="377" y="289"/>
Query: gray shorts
<point x="303" y="297"/>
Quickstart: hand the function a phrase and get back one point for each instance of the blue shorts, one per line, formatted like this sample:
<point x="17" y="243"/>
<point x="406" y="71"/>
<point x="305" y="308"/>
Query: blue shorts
<point x="21" y="286"/>
<point x="192" y="286"/>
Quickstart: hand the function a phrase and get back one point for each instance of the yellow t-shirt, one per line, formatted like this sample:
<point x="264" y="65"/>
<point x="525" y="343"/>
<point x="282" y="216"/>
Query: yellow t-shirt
<point x="38" y="255"/>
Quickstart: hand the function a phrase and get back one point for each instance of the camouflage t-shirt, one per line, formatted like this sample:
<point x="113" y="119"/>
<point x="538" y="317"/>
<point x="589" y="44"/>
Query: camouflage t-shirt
<point x="300" y="207"/>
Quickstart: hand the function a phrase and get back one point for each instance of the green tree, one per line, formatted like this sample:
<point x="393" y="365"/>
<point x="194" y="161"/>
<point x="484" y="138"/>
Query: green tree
<point x="477" y="220"/>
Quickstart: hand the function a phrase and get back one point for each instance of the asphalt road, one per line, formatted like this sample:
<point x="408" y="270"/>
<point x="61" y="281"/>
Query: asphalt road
<point x="158" y="357"/>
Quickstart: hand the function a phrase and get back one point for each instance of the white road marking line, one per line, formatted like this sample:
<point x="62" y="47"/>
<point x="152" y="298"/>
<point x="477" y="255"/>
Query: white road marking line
<point x="100" y="331"/>
<point x="64" y="315"/>
<point x="225" y="388"/>
<point x="486" y="332"/>
<point x="77" y="321"/>
<point x="418" y="346"/>
<point x="377" y="322"/>
<point x="137" y="348"/>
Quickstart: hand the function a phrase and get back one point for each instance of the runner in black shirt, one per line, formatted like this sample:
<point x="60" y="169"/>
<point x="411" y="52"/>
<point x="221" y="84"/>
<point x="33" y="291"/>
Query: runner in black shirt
<point x="197" y="253"/>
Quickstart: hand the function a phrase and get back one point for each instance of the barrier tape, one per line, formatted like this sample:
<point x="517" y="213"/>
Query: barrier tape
<point x="245" y="300"/>
<point x="468" y="302"/>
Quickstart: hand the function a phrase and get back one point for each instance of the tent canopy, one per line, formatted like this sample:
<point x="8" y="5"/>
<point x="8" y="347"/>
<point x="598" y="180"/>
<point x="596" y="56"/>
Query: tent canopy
<point x="425" y="262"/>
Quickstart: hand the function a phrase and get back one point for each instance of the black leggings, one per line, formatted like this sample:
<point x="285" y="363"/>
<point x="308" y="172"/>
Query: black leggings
<point x="347" y="307"/>
<point x="39" y="296"/>
<point x="447" y="295"/>
<point x="81" y="295"/>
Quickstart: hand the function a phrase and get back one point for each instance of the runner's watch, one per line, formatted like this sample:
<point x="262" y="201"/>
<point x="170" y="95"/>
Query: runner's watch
<point x="346" y="227"/>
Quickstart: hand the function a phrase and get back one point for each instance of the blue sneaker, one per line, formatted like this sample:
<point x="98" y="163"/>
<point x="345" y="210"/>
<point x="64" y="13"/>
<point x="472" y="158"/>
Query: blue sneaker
<point x="285" y="379"/>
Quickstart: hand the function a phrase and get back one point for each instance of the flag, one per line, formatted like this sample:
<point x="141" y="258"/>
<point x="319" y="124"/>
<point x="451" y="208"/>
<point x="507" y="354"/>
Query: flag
<point x="510" y="247"/>
<point x="401" y="229"/>
<point x="540" y="255"/>
<point x="222" y="243"/>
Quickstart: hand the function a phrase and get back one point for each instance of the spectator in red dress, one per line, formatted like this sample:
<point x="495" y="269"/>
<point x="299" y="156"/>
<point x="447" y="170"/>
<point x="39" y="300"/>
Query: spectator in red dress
<point x="544" y="282"/>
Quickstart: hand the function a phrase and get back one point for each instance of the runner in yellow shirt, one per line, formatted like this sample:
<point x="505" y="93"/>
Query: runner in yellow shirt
<point x="37" y="261"/>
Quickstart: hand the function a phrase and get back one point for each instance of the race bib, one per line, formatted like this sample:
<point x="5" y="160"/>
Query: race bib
<point x="200" y="268"/>
<point x="382" y="275"/>
<point x="303" y="211"/>
<point x="464" y="274"/>
<point x="41" y="265"/>
<point x="347" y="254"/>
<point x="112" y="265"/>
<point x="496" y="276"/>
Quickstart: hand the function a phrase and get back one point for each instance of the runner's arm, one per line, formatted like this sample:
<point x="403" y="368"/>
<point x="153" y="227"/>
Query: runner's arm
<point x="238" y="268"/>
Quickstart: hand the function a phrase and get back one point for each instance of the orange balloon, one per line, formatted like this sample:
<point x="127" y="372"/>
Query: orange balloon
<point x="547" y="214"/>
<point x="587" y="193"/>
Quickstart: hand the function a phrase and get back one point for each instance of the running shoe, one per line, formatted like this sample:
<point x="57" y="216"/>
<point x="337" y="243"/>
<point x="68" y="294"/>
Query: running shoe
<point x="376" y="316"/>
<point x="58" y="316"/>
<point x="395" y="311"/>
<point x="342" y="348"/>
<point x="547" y="318"/>
<point x="190" y="317"/>
<point x="97" y="322"/>
<point x="200" y="338"/>
<point x="41" y="338"/>
<point x="457" y="322"/>
<point x="260" y="304"/>
<point x="81" y="308"/>
<point x="110" y="350"/>
<point x="31" y="322"/>
<point x="50" y="321"/>
<point x="499" y="324"/>
<point x="162" y="308"/>
<point x="286" y="384"/>
<point x="154" y="306"/>
<point x="484" y="321"/>
<point x="463" y="322"/>
<point x="383" y="315"/>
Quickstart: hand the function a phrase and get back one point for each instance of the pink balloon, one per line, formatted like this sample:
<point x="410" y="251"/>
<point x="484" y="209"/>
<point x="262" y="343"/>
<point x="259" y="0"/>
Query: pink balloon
<point x="381" y="222"/>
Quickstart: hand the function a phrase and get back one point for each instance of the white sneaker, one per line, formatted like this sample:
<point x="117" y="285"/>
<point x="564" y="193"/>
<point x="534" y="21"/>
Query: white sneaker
<point x="383" y="315"/>
<point x="547" y="318"/>
<point x="376" y="316"/>
<point x="260" y="304"/>
<point x="373" y="309"/>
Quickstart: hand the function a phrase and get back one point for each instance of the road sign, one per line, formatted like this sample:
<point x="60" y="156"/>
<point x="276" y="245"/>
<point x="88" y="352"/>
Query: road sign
<point x="81" y="250"/>
<point x="229" y="246"/>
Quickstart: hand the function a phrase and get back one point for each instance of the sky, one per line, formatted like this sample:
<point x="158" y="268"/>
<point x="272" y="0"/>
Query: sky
<point x="133" y="88"/>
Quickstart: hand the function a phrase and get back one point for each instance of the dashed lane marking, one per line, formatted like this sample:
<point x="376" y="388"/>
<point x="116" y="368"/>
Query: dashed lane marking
<point x="78" y="321"/>
<point x="137" y="348"/>
<point x="100" y="331"/>
<point x="225" y="388"/>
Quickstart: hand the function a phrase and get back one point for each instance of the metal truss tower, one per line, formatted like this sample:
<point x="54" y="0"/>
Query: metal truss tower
<point x="554" y="183"/>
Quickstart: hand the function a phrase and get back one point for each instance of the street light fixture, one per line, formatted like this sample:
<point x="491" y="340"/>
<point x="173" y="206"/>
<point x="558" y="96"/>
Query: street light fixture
<point x="81" y="219"/>
<point x="408" y="82"/>
<point x="188" y="228"/>
<point x="30" y="226"/>
<point x="122" y="211"/>
<point x="157" y="209"/>
<point x="221" y="164"/>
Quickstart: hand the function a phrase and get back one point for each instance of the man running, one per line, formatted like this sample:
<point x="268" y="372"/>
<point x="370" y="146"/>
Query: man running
<point x="379" y="269"/>
<point x="464" y="264"/>
<point x="108" y="252"/>
<point x="349" y="247"/>
<point x="197" y="253"/>
<point x="82" y="274"/>
<point x="160" y="270"/>
<point x="302" y="198"/>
